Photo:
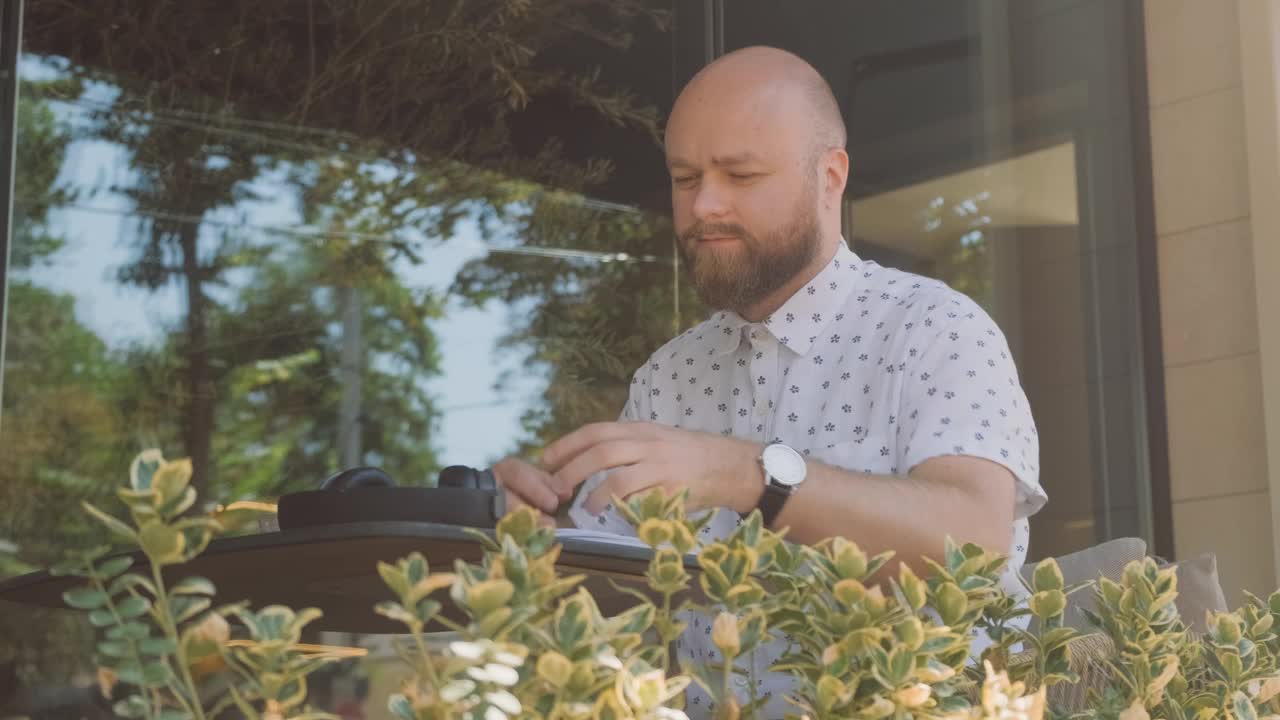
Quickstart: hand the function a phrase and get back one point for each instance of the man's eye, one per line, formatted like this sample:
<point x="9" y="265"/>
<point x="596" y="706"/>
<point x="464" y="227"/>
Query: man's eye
<point x="684" y="179"/>
<point x="743" y="176"/>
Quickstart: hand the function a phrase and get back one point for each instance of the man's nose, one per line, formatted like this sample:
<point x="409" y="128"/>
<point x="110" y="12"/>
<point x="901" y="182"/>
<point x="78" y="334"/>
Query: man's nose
<point x="711" y="202"/>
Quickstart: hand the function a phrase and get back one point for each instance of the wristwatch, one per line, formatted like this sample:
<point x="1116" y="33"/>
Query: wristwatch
<point x="784" y="470"/>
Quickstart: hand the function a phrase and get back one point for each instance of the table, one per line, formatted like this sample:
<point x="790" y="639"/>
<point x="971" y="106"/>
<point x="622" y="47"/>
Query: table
<point x="334" y="568"/>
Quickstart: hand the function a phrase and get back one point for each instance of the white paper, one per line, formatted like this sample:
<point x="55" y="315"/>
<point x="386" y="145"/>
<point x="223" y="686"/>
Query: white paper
<point x="608" y="522"/>
<point x="599" y="536"/>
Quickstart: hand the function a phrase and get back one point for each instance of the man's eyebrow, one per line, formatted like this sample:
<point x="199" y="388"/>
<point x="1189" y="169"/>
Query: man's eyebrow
<point x="719" y="160"/>
<point x="736" y="159"/>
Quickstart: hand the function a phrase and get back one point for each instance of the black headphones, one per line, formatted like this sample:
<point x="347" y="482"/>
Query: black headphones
<point x="463" y="496"/>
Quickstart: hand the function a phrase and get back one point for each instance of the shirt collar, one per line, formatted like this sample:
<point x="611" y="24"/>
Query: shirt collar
<point x="727" y="326"/>
<point x="806" y="314"/>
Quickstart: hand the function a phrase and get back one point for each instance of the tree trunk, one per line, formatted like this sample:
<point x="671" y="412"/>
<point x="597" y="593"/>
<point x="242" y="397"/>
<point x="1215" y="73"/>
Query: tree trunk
<point x="350" y="449"/>
<point x="198" y="413"/>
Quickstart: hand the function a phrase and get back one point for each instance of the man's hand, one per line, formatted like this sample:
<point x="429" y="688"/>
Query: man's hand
<point x="526" y="484"/>
<point x="718" y="471"/>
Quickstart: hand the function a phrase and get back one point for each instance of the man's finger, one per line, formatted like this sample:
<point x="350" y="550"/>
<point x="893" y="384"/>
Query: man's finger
<point x="603" y="456"/>
<point x="561" y="452"/>
<point x="514" y="503"/>
<point x="530" y="484"/>
<point x="535" y="490"/>
<point x="622" y="483"/>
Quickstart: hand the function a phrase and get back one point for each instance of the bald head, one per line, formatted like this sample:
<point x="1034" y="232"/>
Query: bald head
<point x="776" y="77"/>
<point x="755" y="147"/>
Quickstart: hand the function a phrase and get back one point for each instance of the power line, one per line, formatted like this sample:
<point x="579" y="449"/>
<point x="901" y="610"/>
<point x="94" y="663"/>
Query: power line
<point x="490" y="403"/>
<point x="207" y="122"/>
<point x="317" y="234"/>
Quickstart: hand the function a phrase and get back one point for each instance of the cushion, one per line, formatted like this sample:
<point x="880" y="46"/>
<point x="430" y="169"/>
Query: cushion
<point x="1199" y="590"/>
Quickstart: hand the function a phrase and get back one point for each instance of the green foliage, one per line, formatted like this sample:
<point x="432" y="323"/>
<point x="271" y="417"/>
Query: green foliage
<point x="1161" y="670"/>
<point x="864" y="641"/>
<point x="859" y="651"/>
<point x="65" y="397"/>
<point x="168" y="643"/>
<point x="1139" y="615"/>
<point x="41" y="149"/>
<point x="533" y="643"/>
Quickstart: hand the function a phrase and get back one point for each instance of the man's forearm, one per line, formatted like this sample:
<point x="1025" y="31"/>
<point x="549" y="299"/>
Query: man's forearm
<point x="912" y="516"/>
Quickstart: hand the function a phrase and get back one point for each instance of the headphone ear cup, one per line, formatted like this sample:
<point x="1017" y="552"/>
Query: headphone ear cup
<point x="459" y="476"/>
<point x="464" y="496"/>
<point x="357" y="477"/>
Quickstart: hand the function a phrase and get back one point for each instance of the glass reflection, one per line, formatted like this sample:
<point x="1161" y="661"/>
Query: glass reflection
<point x="286" y="239"/>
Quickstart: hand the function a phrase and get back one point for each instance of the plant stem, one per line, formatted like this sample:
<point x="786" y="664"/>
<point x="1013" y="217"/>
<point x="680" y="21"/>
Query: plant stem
<point x="666" y="641"/>
<point x="449" y="624"/>
<point x="152" y="711"/>
<point x="1041" y="664"/>
<point x="728" y="673"/>
<point x="426" y="660"/>
<point x="170" y="627"/>
<point x="176" y="691"/>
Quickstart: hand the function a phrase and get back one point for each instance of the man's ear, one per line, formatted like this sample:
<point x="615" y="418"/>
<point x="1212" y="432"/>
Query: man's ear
<point x="835" y="175"/>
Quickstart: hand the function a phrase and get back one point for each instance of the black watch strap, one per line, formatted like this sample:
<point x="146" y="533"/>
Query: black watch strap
<point x="771" y="502"/>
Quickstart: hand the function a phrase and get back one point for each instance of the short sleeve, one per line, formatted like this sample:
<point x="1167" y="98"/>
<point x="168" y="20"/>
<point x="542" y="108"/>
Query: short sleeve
<point x="638" y="406"/>
<point x="962" y="396"/>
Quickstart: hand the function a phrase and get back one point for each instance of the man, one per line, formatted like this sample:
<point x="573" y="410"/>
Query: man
<point x="838" y="396"/>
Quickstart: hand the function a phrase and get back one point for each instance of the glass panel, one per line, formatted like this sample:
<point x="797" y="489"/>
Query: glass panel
<point x="286" y="238"/>
<point x="289" y="238"/>
<point x="990" y="149"/>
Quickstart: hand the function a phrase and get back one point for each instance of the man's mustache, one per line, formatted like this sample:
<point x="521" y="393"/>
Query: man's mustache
<point x="701" y="230"/>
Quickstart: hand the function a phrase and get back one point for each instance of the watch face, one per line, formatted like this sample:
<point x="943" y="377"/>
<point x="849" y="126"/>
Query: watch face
<point x="784" y="465"/>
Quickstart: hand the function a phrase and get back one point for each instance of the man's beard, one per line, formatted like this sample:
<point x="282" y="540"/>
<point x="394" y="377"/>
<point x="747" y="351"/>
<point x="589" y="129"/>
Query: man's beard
<point x="749" y="271"/>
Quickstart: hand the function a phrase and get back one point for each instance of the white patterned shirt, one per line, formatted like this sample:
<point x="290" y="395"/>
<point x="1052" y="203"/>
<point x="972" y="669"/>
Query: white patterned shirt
<point x="867" y="368"/>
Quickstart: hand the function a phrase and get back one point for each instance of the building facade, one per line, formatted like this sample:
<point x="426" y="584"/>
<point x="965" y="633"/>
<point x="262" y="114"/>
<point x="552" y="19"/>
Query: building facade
<point x="1211" y="79"/>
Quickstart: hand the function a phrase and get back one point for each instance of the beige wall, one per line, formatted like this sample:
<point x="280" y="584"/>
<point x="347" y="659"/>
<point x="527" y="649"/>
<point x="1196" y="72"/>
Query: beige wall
<point x="1209" y="309"/>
